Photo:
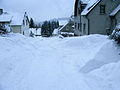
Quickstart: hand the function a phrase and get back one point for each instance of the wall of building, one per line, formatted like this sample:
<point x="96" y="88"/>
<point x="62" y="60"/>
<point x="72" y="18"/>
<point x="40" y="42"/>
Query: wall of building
<point x="25" y="30"/>
<point x="84" y="26"/>
<point x="25" y="26"/>
<point x="96" y="23"/>
<point x="16" y="28"/>
<point x="4" y="23"/>
<point x="77" y="21"/>
<point x="76" y="25"/>
<point x="118" y="17"/>
<point x="101" y="23"/>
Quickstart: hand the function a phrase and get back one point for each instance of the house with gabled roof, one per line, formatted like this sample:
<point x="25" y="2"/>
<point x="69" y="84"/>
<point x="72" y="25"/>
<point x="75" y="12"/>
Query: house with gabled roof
<point x="115" y="16"/>
<point x="94" y="16"/>
<point x="67" y="27"/>
<point x="20" y="24"/>
<point x="5" y="18"/>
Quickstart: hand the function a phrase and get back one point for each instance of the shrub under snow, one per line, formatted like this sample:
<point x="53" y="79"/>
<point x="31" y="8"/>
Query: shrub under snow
<point x="116" y="34"/>
<point x="4" y="29"/>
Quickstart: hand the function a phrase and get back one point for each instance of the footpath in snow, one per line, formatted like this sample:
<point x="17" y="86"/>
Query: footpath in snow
<point x="78" y="63"/>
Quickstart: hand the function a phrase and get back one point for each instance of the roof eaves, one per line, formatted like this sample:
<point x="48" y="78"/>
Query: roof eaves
<point x="64" y="26"/>
<point x="115" y="11"/>
<point x="92" y="7"/>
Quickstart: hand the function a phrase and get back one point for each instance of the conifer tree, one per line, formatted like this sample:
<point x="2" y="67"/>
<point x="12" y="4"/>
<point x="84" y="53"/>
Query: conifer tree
<point x="32" y="25"/>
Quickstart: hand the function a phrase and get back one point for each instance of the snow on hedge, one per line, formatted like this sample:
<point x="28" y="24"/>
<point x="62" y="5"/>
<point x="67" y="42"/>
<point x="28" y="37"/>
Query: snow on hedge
<point x="77" y="63"/>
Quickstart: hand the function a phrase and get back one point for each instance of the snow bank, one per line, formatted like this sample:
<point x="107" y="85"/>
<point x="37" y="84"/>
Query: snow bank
<point x="106" y="77"/>
<point x="86" y="41"/>
<point x="97" y="51"/>
<point x="15" y="59"/>
<point x="85" y="48"/>
<point x="108" y="53"/>
<point x="101" y="70"/>
<point x="76" y="63"/>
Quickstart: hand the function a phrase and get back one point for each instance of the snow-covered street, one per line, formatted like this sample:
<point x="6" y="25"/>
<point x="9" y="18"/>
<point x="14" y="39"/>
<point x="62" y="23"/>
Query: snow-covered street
<point x="77" y="63"/>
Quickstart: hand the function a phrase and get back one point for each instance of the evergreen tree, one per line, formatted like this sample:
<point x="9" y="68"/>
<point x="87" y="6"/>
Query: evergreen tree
<point x="32" y="25"/>
<point x="57" y="23"/>
<point x="48" y="28"/>
<point x="44" y="29"/>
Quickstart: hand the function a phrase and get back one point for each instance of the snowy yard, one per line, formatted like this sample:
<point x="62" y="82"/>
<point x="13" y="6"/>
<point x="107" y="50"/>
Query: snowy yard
<point x="77" y="63"/>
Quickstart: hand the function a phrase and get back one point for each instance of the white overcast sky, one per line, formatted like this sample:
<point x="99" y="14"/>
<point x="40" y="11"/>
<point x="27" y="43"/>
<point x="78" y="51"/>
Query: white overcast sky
<point x="40" y="9"/>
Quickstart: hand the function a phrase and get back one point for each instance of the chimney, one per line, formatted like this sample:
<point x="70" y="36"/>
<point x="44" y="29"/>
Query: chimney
<point x="1" y="11"/>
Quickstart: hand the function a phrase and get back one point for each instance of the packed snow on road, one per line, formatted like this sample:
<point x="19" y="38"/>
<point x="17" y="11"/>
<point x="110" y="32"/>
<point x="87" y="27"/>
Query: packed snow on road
<point x="75" y="63"/>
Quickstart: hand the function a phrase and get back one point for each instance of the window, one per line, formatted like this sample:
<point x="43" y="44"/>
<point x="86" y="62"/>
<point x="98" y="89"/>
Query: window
<point x="102" y="9"/>
<point x="83" y="7"/>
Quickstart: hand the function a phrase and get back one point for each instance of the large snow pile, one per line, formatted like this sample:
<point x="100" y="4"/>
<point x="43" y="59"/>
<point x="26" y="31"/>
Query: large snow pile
<point x="77" y="63"/>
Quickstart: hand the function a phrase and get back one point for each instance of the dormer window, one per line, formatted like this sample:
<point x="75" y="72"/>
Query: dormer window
<point x="102" y="9"/>
<point x="83" y="6"/>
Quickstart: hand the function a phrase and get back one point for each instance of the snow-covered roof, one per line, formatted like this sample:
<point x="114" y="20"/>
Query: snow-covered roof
<point x="56" y="31"/>
<point x="85" y="1"/>
<point x="115" y="11"/>
<point x="17" y="19"/>
<point x="63" y="26"/>
<point x="5" y="17"/>
<point x="62" y="22"/>
<point x="91" y="4"/>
